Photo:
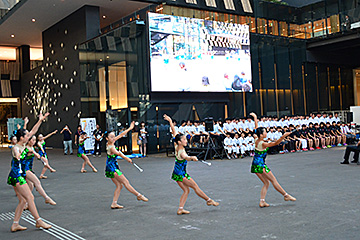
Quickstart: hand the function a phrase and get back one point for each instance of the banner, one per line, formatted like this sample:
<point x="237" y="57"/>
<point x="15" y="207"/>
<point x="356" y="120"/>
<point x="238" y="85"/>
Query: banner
<point x="12" y="125"/>
<point x="88" y="125"/>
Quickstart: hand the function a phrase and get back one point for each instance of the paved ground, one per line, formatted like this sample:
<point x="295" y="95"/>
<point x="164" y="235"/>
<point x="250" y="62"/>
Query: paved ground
<point x="327" y="206"/>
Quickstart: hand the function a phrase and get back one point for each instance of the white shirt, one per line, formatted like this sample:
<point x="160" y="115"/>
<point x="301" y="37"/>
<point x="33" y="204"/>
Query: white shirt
<point x="182" y="129"/>
<point x="251" y="125"/>
<point x="227" y="141"/>
<point x="250" y="140"/>
<point x="227" y="127"/>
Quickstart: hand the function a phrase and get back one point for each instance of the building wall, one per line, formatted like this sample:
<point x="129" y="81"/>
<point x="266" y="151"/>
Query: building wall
<point x="57" y="81"/>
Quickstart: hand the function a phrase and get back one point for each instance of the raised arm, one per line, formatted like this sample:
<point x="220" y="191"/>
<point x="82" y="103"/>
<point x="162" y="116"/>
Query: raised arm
<point x="255" y="119"/>
<point x="173" y="130"/>
<point x="132" y="125"/>
<point x="37" y="125"/>
<point x="50" y="134"/>
<point x="26" y="121"/>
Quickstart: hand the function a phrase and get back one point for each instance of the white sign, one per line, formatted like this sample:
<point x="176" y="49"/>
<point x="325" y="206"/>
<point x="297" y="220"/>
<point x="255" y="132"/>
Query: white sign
<point x="355" y="25"/>
<point x="88" y="125"/>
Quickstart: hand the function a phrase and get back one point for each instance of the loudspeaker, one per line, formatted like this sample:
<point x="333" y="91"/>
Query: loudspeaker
<point x="349" y="117"/>
<point x="209" y="124"/>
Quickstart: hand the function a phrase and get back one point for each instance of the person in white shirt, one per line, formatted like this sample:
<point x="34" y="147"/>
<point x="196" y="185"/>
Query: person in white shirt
<point x="236" y="145"/>
<point x="189" y="131"/>
<point x="228" y="127"/>
<point x="271" y="135"/>
<point x="250" y="141"/>
<point x="336" y="116"/>
<point x="182" y="128"/>
<point x="228" y="145"/>
<point x="196" y="136"/>
<point x="250" y="124"/>
<point x="286" y="121"/>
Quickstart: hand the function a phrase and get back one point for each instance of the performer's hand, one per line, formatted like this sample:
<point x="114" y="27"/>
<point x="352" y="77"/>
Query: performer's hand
<point x="167" y="118"/>
<point x="129" y="160"/>
<point x="26" y="120"/>
<point x="55" y="131"/>
<point x="253" y="115"/>
<point x="42" y="117"/>
<point x="194" y="158"/>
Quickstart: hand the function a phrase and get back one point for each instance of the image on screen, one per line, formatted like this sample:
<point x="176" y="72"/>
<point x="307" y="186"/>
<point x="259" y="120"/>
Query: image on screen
<point x="196" y="55"/>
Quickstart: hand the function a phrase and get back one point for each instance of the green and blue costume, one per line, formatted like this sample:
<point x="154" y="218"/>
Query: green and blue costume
<point x="179" y="172"/>
<point x="81" y="149"/>
<point x="258" y="164"/>
<point x="112" y="166"/>
<point x="16" y="174"/>
<point x="41" y="152"/>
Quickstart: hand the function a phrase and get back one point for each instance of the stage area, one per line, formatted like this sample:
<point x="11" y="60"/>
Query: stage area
<point x="326" y="208"/>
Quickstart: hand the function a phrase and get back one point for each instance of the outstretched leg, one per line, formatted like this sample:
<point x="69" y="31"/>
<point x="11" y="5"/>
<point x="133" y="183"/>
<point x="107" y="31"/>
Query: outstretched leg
<point x="87" y="161"/>
<point x="270" y="176"/>
<point x="33" y="179"/>
<point x="192" y="184"/>
<point x="123" y="180"/>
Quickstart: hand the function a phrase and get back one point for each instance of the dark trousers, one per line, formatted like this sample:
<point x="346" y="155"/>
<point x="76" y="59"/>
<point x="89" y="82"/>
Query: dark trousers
<point x="349" y="149"/>
<point x="97" y="147"/>
<point x="290" y="145"/>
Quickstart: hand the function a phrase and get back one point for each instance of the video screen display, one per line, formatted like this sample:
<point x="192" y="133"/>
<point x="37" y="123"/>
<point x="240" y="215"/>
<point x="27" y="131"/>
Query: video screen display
<point x="196" y="55"/>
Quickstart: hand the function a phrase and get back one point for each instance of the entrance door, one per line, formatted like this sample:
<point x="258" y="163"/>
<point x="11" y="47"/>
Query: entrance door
<point x="118" y="120"/>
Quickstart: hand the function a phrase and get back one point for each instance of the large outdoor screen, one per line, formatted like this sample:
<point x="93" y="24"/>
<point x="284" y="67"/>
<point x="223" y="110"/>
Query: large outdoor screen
<point x="196" y="55"/>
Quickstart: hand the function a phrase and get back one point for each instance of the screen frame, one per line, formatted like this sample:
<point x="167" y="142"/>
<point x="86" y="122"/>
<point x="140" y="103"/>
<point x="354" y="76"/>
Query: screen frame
<point x="220" y="94"/>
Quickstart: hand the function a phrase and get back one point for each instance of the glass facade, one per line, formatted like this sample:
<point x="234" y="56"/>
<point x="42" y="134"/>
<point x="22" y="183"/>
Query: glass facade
<point x="115" y="70"/>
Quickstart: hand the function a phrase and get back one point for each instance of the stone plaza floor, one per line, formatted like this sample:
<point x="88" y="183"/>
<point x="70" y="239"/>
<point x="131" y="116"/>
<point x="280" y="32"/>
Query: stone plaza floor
<point x="327" y="205"/>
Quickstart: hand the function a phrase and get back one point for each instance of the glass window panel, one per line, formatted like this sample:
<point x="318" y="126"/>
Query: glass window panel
<point x="319" y="28"/>
<point x="210" y="3"/>
<point x="283" y="29"/>
<point x="229" y="4"/>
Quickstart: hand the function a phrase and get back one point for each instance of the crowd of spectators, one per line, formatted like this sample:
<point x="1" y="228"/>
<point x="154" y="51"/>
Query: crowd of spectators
<point x="236" y="135"/>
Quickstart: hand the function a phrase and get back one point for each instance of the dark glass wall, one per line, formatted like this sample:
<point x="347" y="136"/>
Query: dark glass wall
<point x="284" y="82"/>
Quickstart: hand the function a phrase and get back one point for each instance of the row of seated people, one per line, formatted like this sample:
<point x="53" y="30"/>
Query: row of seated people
<point x="244" y="128"/>
<point x="303" y="138"/>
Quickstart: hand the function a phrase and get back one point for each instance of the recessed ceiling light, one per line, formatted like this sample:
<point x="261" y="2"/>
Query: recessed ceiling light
<point x="12" y="35"/>
<point x="33" y="20"/>
<point x="104" y="16"/>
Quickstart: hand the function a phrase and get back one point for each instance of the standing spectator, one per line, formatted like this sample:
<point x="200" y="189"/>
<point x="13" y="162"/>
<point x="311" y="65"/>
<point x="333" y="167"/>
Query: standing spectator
<point x="67" y="140"/>
<point x="142" y="139"/>
<point x="98" y="135"/>
<point x="77" y="134"/>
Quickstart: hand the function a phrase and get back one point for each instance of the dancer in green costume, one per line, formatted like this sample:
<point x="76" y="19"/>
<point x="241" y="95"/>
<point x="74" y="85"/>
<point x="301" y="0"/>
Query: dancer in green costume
<point x="259" y="167"/>
<point x="180" y="175"/>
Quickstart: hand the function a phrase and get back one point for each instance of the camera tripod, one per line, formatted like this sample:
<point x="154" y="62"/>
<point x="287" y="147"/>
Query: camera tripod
<point x="211" y="146"/>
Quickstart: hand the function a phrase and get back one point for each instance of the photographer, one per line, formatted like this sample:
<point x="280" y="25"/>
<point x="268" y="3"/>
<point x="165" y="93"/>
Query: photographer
<point x="67" y="140"/>
<point x="98" y="135"/>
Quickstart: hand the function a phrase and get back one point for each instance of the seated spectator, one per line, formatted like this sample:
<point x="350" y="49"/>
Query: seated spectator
<point x="228" y="145"/>
<point x="349" y="149"/>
